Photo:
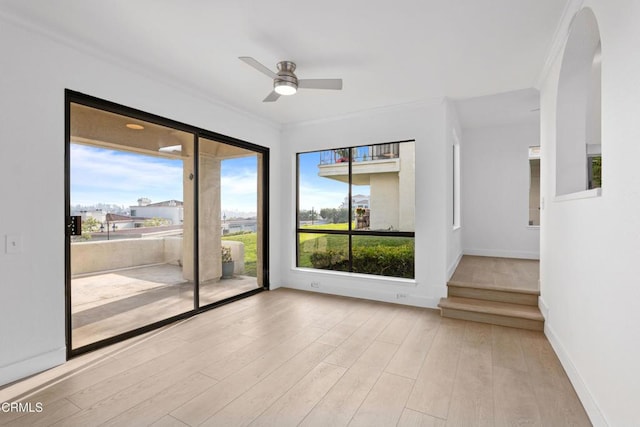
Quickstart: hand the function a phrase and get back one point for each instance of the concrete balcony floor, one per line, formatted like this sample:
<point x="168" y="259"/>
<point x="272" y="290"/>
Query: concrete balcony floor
<point x="110" y="303"/>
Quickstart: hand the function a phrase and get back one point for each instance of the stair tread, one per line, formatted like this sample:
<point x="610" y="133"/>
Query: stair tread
<point x="460" y="284"/>
<point x="492" y="307"/>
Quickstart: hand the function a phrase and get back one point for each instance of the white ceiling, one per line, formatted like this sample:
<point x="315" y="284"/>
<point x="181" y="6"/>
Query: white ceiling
<point x="387" y="52"/>
<point x="516" y="107"/>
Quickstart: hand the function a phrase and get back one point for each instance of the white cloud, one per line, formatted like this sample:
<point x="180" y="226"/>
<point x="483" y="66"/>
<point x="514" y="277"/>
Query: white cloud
<point x="110" y="176"/>
<point x="239" y="189"/>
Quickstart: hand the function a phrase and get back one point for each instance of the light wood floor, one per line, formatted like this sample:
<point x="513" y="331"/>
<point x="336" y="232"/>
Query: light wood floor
<point x="107" y="304"/>
<point x="498" y="273"/>
<point x="288" y="357"/>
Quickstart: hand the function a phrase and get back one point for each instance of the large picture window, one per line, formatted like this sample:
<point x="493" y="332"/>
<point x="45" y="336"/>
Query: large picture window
<point x="356" y="209"/>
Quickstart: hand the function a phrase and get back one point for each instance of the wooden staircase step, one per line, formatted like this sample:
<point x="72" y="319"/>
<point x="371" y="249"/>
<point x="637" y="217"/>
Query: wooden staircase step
<point x="493" y="312"/>
<point x="470" y="290"/>
<point x="506" y="288"/>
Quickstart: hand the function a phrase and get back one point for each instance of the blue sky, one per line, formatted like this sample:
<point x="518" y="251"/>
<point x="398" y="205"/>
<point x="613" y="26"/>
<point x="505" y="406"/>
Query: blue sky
<point x="100" y="175"/>
<point x="320" y="192"/>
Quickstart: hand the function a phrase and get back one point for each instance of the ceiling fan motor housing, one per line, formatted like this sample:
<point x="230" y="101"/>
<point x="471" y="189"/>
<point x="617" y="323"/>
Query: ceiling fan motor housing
<point x="285" y="81"/>
<point x="286" y="76"/>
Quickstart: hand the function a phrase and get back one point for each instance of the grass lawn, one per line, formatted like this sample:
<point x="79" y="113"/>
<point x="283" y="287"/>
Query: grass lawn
<point x="312" y="242"/>
<point x="250" y="241"/>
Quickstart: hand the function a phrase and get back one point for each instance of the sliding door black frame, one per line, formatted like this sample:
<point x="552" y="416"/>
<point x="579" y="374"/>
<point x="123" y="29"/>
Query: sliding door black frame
<point x="101" y="104"/>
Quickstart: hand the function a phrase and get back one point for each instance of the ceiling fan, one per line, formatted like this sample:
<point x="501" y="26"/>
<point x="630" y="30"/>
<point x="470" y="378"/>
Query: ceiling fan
<point x="285" y="82"/>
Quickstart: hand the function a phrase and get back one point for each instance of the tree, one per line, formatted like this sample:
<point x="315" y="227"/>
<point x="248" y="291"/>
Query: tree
<point x="89" y="225"/>
<point x="155" y="222"/>
<point x="304" y="215"/>
<point x="335" y="216"/>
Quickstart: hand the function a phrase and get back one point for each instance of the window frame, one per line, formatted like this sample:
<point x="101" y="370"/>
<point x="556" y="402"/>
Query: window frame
<point x="74" y="97"/>
<point x="350" y="232"/>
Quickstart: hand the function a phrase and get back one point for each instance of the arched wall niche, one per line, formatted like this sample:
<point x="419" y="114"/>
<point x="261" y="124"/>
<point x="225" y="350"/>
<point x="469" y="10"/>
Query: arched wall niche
<point x="578" y="113"/>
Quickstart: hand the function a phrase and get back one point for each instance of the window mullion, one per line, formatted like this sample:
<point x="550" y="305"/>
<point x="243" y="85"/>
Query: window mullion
<point x="350" y="227"/>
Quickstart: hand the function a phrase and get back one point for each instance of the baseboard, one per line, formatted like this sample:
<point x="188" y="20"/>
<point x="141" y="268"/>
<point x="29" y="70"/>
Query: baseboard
<point x="396" y="297"/>
<point x="274" y="286"/>
<point x="502" y="254"/>
<point x="585" y="396"/>
<point x="453" y="266"/>
<point x="544" y="308"/>
<point x="33" y="365"/>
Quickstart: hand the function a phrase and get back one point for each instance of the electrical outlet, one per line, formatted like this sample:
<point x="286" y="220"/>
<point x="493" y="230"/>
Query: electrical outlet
<point x="315" y="284"/>
<point x="401" y="296"/>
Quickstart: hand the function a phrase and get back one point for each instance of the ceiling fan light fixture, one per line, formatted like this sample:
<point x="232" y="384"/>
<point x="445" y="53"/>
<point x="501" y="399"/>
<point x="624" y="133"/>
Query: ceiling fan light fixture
<point x="285" y="81"/>
<point x="285" y="88"/>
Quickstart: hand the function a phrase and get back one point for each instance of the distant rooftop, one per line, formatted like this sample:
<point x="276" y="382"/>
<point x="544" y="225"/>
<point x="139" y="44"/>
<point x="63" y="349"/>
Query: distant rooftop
<point x="167" y="203"/>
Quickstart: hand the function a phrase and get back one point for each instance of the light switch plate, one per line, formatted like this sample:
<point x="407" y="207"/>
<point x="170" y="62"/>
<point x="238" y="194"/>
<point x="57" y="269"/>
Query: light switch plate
<point x="13" y="243"/>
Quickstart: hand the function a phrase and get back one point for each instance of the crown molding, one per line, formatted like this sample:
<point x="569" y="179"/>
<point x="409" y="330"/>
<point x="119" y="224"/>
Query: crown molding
<point x="429" y="102"/>
<point x="156" y="75"/>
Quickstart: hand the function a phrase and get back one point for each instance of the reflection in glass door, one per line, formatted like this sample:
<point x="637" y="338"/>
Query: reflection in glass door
<point x="230" y="229"/>
<point x="130" y="182"/>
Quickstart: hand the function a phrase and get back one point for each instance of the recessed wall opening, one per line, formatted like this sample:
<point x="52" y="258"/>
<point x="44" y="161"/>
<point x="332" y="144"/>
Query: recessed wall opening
<point x="578" y="115"/>
<point x="534" y="186"/>
<point x="456" y="180"/>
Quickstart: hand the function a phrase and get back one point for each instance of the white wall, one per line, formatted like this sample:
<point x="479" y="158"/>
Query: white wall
<point x="34" y="73"/>
<point x="424" y="122"/>
<point x="495" y="191"/>
<point x="590" y="248"/>
<point x="454" y="235"/>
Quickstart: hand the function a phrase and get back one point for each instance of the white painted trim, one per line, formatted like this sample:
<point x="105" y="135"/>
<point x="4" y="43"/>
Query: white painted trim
<point x="274" y="286"/>
<point x="33" y="365"/>
<point x="155" y="74"/>
<point x="544" y="308"/>
<point x="430" y="102"/>
<point x="502" y="254"/>
<point x="359" y="276"/>
<point x="584" y="394"/>
<point x="586" y="194"/>
<point x="371" y="294"/>
<point x="559" y="39"/>
<point x="453" y="266"/>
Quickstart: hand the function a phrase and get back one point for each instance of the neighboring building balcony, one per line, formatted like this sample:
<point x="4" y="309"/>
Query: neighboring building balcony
<point x="368" y="160"/>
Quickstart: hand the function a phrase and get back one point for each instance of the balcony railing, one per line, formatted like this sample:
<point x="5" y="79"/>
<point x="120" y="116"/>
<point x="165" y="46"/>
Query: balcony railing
<point x="360" y="154"/>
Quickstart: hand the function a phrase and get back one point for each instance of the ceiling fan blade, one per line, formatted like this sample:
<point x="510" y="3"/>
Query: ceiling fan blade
<point x="258" y="66"/>
<point x="335" y="84"/>
<point x="272" y="97"/>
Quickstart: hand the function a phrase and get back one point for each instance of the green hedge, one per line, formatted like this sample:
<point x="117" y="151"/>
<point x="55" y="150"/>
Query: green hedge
<point x="395" y="261"/>
<point x="330" y="260"/>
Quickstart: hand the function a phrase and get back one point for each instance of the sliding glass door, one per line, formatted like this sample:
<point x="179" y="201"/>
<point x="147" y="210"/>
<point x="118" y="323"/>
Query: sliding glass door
<point x="154" y="211"/>
<point x="230" y="226"/>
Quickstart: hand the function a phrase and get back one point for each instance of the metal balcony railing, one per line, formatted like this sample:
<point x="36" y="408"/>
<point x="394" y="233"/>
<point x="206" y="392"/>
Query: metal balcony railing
<point x="365" y="153"/>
